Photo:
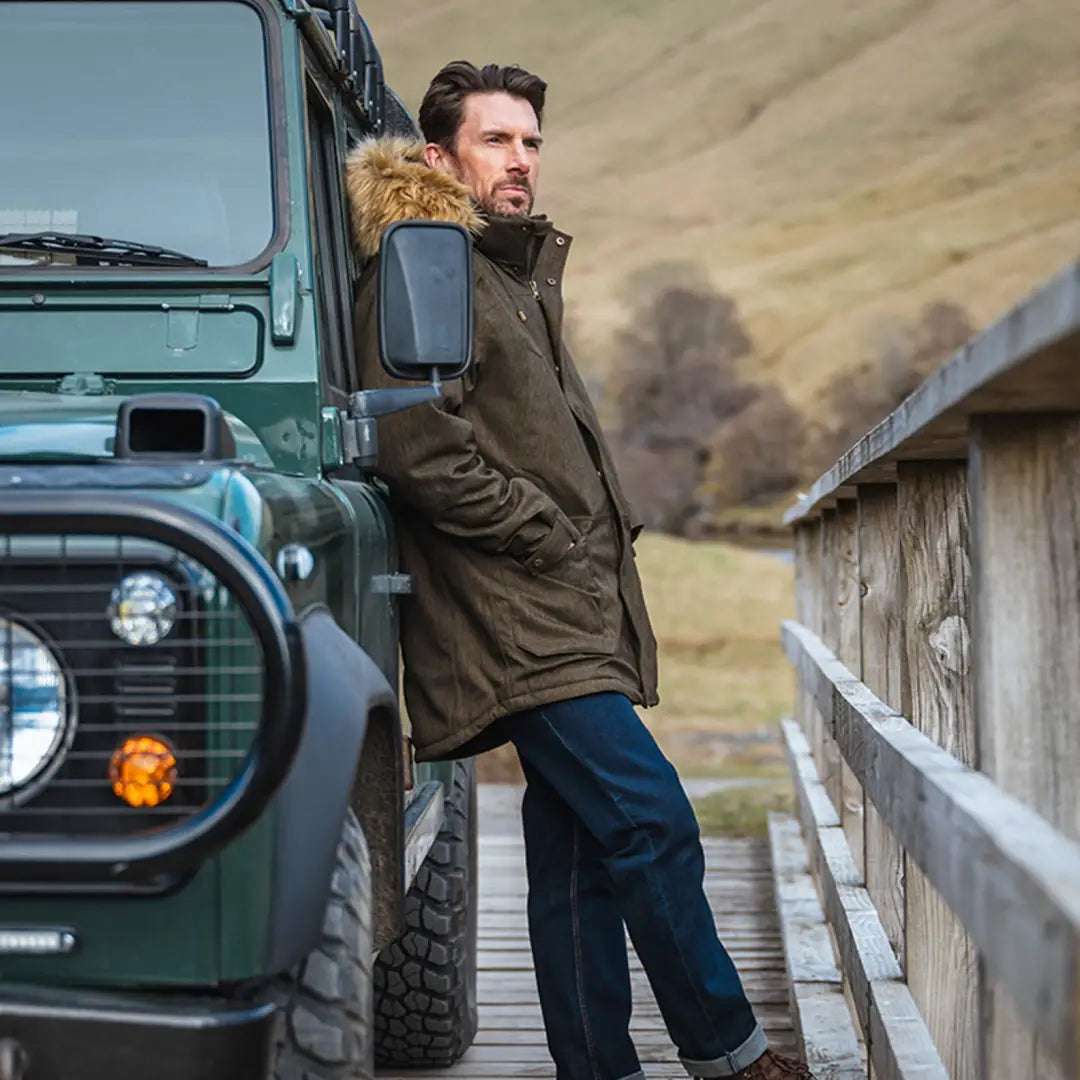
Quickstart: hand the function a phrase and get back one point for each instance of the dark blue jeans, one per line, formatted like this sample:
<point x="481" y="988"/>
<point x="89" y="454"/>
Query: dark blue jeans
<point x="611" y="839"/>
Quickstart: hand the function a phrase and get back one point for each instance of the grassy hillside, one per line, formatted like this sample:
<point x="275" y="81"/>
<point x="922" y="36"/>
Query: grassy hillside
<point x="833" y="165"/>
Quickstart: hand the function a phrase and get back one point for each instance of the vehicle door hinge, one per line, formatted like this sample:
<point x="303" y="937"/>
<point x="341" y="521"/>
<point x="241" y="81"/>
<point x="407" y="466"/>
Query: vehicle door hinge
<point x="392" y="584"/>
<point x="85" y="384"/>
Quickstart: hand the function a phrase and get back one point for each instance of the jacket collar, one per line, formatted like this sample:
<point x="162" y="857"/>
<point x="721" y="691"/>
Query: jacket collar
<point x="514" y="242"/>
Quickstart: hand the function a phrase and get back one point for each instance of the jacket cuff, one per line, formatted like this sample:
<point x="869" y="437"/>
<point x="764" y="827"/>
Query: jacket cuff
<point x="554" y="548"/>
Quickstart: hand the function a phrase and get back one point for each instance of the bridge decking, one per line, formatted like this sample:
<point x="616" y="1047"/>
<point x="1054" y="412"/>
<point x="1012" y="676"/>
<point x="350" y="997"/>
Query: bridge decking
<point x="511" y="1041"/>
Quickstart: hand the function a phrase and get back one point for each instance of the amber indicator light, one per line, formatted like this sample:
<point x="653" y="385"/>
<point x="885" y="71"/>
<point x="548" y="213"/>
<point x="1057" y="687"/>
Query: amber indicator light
<point x="143" y="771"/>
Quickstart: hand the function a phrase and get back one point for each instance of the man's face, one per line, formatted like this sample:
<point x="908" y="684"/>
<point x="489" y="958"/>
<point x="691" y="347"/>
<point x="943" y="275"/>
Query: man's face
<point x="496" y="153"/>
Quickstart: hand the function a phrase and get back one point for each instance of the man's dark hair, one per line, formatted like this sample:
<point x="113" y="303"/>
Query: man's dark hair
<point x="444" y="103"/>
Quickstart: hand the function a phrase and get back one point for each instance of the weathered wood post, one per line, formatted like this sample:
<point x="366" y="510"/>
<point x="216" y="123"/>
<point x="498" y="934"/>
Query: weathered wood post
<point x="1025" y="500"/>
<point x="879" y="631"/>
<point x="805" y="574"/>
<point x="936" y="696"/>
<point x="849" y="652"/>
<point x="825" y="749"/>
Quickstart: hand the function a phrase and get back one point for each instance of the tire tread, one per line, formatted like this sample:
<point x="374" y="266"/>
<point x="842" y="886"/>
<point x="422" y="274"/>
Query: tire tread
<point x="425" y="1000"/>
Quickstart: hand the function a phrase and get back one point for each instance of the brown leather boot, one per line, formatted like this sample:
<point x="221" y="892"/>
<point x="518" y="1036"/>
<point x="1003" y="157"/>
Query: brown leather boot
<point x="772" y="1066"/>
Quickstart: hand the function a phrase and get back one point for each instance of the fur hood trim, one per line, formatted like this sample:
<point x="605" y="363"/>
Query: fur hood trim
<point x="387" y="180"/>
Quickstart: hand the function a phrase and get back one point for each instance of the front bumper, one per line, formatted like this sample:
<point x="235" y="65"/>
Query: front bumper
<point x="67" y="1034"/>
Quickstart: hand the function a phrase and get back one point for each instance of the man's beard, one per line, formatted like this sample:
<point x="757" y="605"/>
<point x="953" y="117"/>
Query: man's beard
<point x="493" y="204"/>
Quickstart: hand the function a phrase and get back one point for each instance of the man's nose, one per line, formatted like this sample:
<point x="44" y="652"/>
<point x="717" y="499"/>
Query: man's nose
<point x="519" y="162"/>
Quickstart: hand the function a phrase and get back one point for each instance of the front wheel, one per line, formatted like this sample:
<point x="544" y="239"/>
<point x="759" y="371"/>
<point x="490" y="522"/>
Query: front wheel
<point x="425" y="981"/>
<point x="326" y="1001"/>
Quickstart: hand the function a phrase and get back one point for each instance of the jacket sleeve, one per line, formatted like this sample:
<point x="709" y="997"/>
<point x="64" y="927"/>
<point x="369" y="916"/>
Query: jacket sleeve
<point x="429" y="458"/>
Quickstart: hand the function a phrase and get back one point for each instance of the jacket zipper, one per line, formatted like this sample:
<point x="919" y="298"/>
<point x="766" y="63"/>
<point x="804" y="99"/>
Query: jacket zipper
<point x="535" y="290"/>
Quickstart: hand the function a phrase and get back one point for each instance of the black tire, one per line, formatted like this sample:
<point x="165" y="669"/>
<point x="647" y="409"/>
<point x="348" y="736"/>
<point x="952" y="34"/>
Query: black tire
<point x="325" y="1031"/>
<point x="425" y="981"/>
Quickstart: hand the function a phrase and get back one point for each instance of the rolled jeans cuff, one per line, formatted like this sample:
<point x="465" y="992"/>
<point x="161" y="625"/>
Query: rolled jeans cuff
<point x="733" y="1063"/>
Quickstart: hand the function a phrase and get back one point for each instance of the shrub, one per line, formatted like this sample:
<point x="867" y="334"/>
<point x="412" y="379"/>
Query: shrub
<point x="756" y="456"/>
<point x="692" y="433"/>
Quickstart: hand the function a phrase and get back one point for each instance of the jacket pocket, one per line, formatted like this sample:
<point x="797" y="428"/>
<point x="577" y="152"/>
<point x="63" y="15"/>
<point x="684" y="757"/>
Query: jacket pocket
<point x="560" y="612"/>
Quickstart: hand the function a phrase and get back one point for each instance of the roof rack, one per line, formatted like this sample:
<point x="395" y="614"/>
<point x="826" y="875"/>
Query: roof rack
<point x="338" y="32"/>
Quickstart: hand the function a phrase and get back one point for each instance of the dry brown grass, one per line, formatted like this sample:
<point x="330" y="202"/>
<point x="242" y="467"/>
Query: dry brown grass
<point x="716" y="610"/>
<point x="743" y="811"/>
<point x="833" y="165"/>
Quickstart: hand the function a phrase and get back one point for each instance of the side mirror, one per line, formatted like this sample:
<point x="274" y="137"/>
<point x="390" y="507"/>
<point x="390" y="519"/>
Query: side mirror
<point x="425" y="300"/>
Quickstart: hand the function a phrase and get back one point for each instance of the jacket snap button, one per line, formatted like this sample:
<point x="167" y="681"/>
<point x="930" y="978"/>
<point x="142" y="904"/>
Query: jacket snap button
<point x="538" y="563"/>
<point x="551" y="281"/>
<point x="560" y="240"/>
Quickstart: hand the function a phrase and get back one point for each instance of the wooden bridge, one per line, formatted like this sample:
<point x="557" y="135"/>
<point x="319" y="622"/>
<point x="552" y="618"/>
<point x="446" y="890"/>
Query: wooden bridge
<point x="921" y="918"/>
<point x="511" y="1040"/>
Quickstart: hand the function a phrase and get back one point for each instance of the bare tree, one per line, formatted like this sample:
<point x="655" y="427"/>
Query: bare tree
<point x="692" y="432"/>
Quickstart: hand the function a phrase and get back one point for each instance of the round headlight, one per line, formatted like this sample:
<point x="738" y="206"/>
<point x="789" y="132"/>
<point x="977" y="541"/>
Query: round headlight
<point x="33" y="706"/>
<point x="143" y="609"/>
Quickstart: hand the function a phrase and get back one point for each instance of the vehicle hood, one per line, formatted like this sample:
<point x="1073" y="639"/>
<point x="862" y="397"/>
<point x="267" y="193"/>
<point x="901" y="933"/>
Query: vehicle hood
<point x="45" y="427"/>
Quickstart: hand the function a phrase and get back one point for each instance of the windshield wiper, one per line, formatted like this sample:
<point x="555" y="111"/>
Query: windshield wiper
<point x="96" y="250"/>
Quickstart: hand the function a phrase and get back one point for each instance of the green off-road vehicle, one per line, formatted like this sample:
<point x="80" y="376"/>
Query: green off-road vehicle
<point x="216" y="857"/>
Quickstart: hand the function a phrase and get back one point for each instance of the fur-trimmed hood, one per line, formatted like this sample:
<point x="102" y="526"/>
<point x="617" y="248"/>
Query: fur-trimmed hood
<point x="387" y="180"/>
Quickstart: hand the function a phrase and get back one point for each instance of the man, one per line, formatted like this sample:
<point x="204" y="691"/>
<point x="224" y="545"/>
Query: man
<point x="528" y="622"/>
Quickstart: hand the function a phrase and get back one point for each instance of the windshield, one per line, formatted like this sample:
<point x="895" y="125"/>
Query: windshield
<point x="143" y="121"/>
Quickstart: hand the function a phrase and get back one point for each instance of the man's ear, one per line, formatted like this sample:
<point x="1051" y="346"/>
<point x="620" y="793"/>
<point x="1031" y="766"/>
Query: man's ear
<point x="437" y="157"/>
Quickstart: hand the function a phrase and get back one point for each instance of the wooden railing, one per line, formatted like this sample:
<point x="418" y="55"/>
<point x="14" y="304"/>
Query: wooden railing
<point x="936" y="744"/>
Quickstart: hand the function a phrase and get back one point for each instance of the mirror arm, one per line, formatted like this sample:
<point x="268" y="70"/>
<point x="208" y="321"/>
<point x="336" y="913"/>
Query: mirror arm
<point x="369" y="404"/>
<point x="365" y="406"/>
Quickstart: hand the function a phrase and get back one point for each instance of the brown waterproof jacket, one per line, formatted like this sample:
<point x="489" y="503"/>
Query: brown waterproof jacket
<point x="511" y="518"/>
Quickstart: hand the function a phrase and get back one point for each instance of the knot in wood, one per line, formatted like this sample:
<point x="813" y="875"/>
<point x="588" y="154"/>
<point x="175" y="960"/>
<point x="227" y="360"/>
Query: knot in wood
<point x="952" y="644"/>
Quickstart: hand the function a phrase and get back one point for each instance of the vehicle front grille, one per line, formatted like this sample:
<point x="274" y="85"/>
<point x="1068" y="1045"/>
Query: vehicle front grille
<point x="199" y="690"/>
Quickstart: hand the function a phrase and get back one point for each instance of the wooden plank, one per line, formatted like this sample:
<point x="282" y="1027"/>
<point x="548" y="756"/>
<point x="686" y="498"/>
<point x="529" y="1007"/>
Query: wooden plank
<point x="826" y="755"/>
<point x="809" y="790"/>
<point x="804" y="601"/>
<point x="655" y="1041"/>
<point x="936" y="693"/>
<point x="807" y="949"/>
<point x="827" y="1039"/>
<point x="1026" y="506"/>
<point x="512" y="1043"/>
<point x="879" y="635"/>
<point x="814" y="611"/>
<point x="899" y="1044"/>
<point x="1026" y="362"/>
<point x="849" y="649"/>
<point x="1026" y="503"/>
<point x="1010" y="876"/>
<point x="820" y="1009"/>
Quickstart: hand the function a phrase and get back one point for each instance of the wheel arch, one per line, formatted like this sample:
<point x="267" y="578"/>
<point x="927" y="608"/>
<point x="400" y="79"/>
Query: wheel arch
<point x="349" y="701"/>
